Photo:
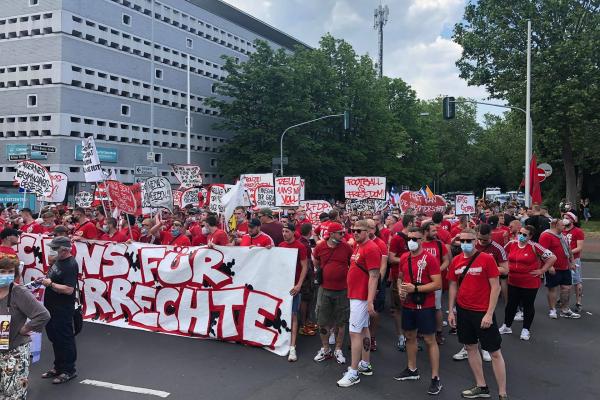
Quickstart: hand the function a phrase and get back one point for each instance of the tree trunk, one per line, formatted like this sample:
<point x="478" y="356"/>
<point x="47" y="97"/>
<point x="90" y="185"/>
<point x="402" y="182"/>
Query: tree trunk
<point x="570" y="175"/>
<point x="579" y="183"/>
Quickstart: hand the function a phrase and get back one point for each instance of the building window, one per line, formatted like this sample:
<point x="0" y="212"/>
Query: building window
<point x="186" y="122"/>
<point x="34" y="3"/>
<point x="125" y="110"/>
<point x="158" y="73"/>
<point x="32" y="100"/>
<point x="158" y="158"/>
<point x="189" y="43"/>
<point x="126" y="19"/>
<point x="213" y="88"/>
<point x="213" y="162"/>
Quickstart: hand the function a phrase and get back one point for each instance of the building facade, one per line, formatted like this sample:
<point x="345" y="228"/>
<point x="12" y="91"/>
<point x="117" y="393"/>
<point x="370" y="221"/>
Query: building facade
<point x="117" y="70"/>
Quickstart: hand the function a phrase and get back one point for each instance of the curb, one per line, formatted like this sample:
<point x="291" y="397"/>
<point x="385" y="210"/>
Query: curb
<point x="590" y="259"/>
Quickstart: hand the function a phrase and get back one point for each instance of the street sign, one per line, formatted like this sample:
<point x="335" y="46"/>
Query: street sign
<point x="140" y="179"/>
<point x="150" y="156"/>
<point x="18" y="157"/>
<point x="541" y="174"/>
<point x="43" y="148"/>
<point x="547" y="168"/>
<point x="145" y="170"/>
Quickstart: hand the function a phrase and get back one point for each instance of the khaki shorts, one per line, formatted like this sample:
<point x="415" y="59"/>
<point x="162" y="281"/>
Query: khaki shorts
<point x="396" y="304"/>
<point x="333" y="307"/>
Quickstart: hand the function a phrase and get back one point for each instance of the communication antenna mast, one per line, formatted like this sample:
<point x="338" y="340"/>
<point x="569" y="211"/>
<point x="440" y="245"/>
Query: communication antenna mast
<point x="380" y="19"/>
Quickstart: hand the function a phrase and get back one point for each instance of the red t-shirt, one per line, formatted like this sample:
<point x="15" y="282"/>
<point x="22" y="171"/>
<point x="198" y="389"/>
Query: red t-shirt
<point x="32" y="227"/>
<point x="493" y="249"/>
<point x="474" y="292"/>
<point x="242" y="228"/>
<point x="433" y="247"/>
<point x="385" y="234"/>
<point x="552" y="242"/>
<point x="135" y="232"/>
<point x="423" y="267"/>
<point x="397" y="228"/>
<point x="7" y="252"/>
<point x="335" y="263"/>
<point x="445" y="225"/>
<point x="500" y="236"/>
<point x="86" y="230"/>
<point x="444" y="236"/>
<point x="382" y="246"/>
<point x="149" y="239"/>
<point x="573" y="235"/>
<point x="368" y="256"/>
<point x="455" y="231"/>
<point x="260" y="240"/>
<point x="48" y="228"/>
<point x="302" y="256"/>
<point x="398" y="246"/>
<point x="166" y="239"/>
<point x="218" y="238"/>
<point x="322" y="231"/>
<point x="521" y="261"/>
<point x="118" y="237"/>
<point x="198" y="238"/>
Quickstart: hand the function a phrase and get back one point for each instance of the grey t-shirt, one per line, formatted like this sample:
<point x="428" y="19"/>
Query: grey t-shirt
<point x="22" y="306"/>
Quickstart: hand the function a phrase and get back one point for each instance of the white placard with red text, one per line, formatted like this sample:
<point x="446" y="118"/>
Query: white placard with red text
<point x="260" y="188"/>
<point x="288" y="191"/>
<point x="364" y="187"/>
<point x="465" y="204"/>
<point x="314" y="208"/>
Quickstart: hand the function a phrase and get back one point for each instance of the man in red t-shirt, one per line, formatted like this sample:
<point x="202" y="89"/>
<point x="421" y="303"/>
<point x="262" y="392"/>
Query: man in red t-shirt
<point x="498" y="234"/>
<point x="84" y="228"/>
<point x="443" y="234"/>
<point x="380" y="297"/>
<point x="242" y="224"/>
<point x="9" y="238"/>
<point x="256" y="238"/>
<point x="216" y="237"/>
<point x="48" y="224"/>
<point x="486" y="244"/>
<point x="290" y="242"/>
<point x="398" y="246"/>
<point x="332" y="258"/>
<point x="474" y="289"/>
<point x="173" y="236"/>
<point x="575" y="238"/>
<point x="29" y="224"/>
<point x="362" y="280"/>
<point x="111" y="234"/>
<point x="421" y="277"/>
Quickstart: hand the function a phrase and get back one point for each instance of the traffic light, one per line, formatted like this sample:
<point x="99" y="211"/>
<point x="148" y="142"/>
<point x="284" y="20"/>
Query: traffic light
<point x="346" y="120"/>
<point x="448" y="107"/>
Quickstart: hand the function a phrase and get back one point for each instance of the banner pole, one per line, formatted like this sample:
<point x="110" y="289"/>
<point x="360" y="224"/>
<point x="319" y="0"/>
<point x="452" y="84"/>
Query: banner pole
<point x="107" y="195"/>
<point x="41" y="206"/>
<point x="129" y="225"/>
<point x="24" y="197"/>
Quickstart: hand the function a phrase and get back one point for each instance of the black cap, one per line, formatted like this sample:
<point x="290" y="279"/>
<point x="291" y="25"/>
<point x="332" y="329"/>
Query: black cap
<point x="254" y="222"/>
<point x="289" y="226"/>
<point x="6" y="232"/>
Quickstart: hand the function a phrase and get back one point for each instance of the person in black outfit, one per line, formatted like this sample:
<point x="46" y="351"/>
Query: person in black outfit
<point x="538" y="221"/>
<point x="60" y="301"/>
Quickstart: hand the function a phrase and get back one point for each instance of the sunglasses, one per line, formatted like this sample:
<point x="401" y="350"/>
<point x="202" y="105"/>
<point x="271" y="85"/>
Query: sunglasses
<point x="354" y="219"/>
<point x="358" y="230"/>
<point x="414" y="239"/>
<point x="466" y="240"/>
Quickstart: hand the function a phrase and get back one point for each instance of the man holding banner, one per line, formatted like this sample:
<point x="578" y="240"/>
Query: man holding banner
<point x="85" y="229"/>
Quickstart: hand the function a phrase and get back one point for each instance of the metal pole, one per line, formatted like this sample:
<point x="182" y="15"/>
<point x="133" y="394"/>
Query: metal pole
<point x="189" y="113"/>
<point x="528" y="133"/>
<point x="152" y="72"/>
<point x="381" y="46"/>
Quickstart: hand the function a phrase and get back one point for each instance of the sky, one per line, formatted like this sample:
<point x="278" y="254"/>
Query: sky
<point x="417" y="37"/>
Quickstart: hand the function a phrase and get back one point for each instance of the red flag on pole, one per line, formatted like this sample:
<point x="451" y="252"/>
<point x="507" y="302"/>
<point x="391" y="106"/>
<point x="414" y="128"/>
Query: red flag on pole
<point x="535" y="189"/>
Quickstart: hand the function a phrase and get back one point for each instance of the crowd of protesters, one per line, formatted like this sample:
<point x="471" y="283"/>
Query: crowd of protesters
<point x="351" y="267"/>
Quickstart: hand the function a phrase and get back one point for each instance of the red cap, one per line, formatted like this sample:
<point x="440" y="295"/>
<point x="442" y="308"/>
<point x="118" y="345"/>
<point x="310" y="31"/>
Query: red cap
<point x="335" y="227"/>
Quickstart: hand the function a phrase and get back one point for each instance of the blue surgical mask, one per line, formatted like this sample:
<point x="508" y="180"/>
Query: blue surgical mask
<point x="522" y="238"/>
<point x="144" y="231"/>
<point x="6" y="279"/>
<point x="175" y="232"/>
<point x="466" y="247"/>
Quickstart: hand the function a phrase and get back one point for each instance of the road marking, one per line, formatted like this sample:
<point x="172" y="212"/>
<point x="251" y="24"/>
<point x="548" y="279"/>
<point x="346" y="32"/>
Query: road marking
<point x="591" y="279"/>
<point x="124" y="388"/>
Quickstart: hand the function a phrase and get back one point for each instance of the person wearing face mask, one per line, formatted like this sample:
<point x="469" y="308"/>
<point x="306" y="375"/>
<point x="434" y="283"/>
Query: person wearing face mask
<point x="575" y="237"/>
<point x="175" y="236"/>
<point x="255" y="237"/>
<point x="558" y="277"/>
<point x="216" y="236"/>
<point x="420" y="278"/>
<point x="145" y="235"/>
<point x="128" y="221"/>
<point x="48" y="222"/>
<point x="111" y="234"/>
<point x="20" y="314"/>
<point x="525" y="259"/>
<point x="83" y="228"/>
<point x="474" y="289"/>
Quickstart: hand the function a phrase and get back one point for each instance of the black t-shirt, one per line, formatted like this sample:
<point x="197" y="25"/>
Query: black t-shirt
<point x="63" y="272"/>
<point x="540" y="223"/>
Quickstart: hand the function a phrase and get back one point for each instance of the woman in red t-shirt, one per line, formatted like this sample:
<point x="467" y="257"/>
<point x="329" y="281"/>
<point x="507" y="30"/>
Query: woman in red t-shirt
<point x="527" y="262"/>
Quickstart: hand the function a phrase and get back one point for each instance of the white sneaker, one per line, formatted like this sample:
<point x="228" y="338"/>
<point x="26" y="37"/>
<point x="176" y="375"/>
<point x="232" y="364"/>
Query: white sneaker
<point x="292" y="356"/>
<point x="350" y="378"/>
<point x="519" y="316"/>
<point x="486" y="356"/>
<point x="339" y="357"/>
<point x="505" y="330"/>
<point x="552" y="314"/>
<point x="323" y="355"/>
<point x="525" y="335"/>
<point x="461" y="355"/>
<point x="332" y="338"/>
<point x="444" y="323"/>
<point x="569" y="314"/>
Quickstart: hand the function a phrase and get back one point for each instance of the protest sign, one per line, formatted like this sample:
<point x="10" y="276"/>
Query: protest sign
<point x="234" y="294"/>
<point x="421" y="204"/>
<point x="314" y="208"/>
<point x="157" y="193"/>
<point x="203" y="197"/>
<point x="91" y="162"/>
<point x="364" y="187"/>
<point x="122" y="197"/>
<point x="59" y="183"/>
<point x="189" y="176"/>
<point x="100" y="194"/>
<point x="190" y="197"/>
<point x="177" y="194"/>
<point x="215" y="196"/>
<point x="366" y="205"/>
<point x="34" y="178"/>
<point x="465" y="204"/>
<point x="260" y="188"/>
<point x="302" y="189"/>
<point x="84" y="199"/>
<point x="287" y="191"/>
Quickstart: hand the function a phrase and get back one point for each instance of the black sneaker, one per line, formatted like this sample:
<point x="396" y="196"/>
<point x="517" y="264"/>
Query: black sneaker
<point x="435" y="387"/>
<point x="476" y="392"/>
<point x="408" y="375"/>
<point x="452" y="331"/>
<point x="577" y="308"/>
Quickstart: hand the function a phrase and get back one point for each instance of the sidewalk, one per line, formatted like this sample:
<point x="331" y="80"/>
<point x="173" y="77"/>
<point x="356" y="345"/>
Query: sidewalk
<point x="591" y="249"/>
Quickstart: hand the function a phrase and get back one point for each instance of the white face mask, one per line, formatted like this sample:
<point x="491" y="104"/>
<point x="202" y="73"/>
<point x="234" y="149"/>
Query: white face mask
<point x="567" y="222"/>
<point x="205" y="230"/>
<point x="413" y="246"/>
<point x="52" y="253"/>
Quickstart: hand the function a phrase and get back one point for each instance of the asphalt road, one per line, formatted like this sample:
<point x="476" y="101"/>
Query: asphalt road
<point x="561" y="361"/>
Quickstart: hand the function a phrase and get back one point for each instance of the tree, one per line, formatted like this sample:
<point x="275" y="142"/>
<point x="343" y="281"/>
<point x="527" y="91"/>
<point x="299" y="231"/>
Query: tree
<point x="565" y="72"/>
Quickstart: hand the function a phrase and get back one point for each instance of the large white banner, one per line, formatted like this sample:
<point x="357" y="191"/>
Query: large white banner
<point x="91" y="161"/>
<point x="364" y="187"/>
<point x="235" y="294"/>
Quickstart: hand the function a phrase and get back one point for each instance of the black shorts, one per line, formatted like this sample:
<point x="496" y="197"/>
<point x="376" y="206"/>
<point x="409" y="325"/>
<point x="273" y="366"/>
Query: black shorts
<point x="468" y="326"/>
<point x="422" y="320"/>
<point x="560" y="278"/>
<point x="379" y="301"/>
<point x="503" y="277"/>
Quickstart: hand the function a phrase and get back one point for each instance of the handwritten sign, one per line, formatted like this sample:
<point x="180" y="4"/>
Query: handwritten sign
<point x="465" y="204"/>
<point x="122" y="196"/>
<point x="374" y="205"/>
<point x="84" y="199"/>
<point x="287" y="191"/>
<point x="91" y="161"/>
<point x="189" y="176"/>
<point x="190" y="197"/>
<point x="59" y="183"/>
<point x="252" y="183"/>
<point x="157" y="193"/>
<point x="215" y="203"/>
<point x="34" y="178"/>
<point x="177" y="194"/>
<point x="314" y="208"/>
<point x="364" y="187"/>
<point x="421" y="204"/>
